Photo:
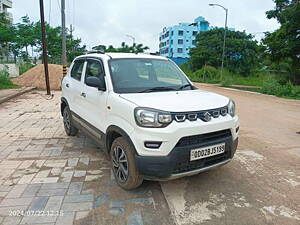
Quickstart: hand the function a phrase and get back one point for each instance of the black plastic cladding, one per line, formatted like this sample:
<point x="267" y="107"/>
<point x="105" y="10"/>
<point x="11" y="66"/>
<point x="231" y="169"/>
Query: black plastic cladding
<point x="193" y="116"/>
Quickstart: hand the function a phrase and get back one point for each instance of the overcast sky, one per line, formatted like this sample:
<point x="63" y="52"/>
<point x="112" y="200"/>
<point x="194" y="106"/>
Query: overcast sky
<point x="108" y="21"/>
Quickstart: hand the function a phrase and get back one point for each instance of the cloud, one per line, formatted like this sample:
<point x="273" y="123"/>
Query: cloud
<point x="108" y="21"/>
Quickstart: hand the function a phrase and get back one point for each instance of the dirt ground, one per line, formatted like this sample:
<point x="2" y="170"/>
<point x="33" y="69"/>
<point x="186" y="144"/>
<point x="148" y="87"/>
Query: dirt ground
<point x="261" y="185"/>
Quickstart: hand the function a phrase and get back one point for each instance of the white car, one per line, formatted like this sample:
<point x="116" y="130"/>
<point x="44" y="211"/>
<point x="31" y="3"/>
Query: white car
<point x="148" y="116"/>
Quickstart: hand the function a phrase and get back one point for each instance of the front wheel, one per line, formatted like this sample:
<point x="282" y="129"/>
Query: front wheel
<point x="123" y="164"/>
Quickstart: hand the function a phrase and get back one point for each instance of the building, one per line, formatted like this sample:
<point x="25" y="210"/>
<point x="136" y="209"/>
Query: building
<point x="176" y="41"/>
<point x="4" y="5"/>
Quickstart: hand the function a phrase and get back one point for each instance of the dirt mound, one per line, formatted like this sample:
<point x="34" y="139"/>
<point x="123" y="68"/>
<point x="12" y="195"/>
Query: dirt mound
<point x="35" y="77"/>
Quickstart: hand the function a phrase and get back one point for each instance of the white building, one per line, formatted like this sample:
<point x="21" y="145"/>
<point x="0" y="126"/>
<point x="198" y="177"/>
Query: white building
<point x="4" y="5"/>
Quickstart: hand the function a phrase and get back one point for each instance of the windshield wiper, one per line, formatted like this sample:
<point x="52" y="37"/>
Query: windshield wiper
<point x="158" y="89"/>
<point x="184" y="86"/>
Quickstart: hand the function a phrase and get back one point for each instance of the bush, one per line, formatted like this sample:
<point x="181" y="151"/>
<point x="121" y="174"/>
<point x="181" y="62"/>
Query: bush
<point x="273" y="87"/>
<point x="5" y="81"/>
<point x="25" y="67"/>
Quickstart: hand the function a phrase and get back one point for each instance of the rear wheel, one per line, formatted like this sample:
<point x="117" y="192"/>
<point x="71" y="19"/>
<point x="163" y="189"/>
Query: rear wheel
<point x="124" y="167"/>
<point x="70" y="129"/>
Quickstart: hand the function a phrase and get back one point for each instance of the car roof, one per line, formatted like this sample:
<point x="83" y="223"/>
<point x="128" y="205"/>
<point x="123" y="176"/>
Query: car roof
<point x="120" y="55"/>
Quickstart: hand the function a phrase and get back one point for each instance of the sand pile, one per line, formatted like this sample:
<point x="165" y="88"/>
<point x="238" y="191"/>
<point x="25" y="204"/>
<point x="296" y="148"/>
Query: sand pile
<point x="35" y="77"/>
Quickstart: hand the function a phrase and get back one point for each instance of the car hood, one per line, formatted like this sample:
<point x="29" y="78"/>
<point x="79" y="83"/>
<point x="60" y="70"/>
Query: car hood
<point x="181" y="101"/>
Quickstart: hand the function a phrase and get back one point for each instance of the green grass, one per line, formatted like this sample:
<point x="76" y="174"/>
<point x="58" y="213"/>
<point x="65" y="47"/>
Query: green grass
<point x="5" y="81"/>
<point x="24" y="68"/>
<point x="262" y="82"/>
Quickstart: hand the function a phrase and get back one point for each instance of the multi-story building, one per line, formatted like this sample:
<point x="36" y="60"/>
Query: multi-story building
<point x="176" y="41"/>
<point x="4" y="5"/>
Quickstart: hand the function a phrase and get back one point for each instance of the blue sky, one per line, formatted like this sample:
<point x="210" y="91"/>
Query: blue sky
<point x="108" y="21"/>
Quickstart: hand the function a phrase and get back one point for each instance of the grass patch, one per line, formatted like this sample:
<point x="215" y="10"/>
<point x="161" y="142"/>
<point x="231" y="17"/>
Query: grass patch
<point x="23" y="68"/>
<point x="266" y="83"/>
<point x="5" y="81"/>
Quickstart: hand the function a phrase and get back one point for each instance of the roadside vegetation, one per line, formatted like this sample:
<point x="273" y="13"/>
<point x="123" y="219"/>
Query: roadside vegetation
<point x="5" y="81"/>
<point x="271" y="67"/>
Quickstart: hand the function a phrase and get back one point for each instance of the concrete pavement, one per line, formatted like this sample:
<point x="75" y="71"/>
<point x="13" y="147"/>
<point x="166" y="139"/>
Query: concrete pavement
<point x="49" y="178"/>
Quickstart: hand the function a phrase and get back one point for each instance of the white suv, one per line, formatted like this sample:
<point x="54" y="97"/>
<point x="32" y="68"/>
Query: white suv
<point x="149" y="117"/>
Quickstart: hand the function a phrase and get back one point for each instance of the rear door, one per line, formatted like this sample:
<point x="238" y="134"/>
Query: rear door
<point x="75" y="86"/>
<point x="95" y="101"/>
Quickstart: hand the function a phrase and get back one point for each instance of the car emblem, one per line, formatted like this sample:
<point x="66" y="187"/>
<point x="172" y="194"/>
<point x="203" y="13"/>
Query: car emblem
<point x="206" y="117"/>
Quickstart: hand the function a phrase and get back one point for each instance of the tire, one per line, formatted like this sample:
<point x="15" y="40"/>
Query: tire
<point x="70" y="129"/>
<point x="121" y="154"/>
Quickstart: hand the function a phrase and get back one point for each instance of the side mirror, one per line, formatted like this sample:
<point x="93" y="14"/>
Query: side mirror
<point x="95" y="82"/>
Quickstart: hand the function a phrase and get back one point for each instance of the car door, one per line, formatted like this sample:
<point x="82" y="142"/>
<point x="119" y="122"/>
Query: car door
<point x="75" y="86"/>
<point x="95" y="100"/>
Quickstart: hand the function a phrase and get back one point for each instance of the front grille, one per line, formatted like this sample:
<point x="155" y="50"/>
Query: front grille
<point x="186" y="166"/>
<point x="193" y="116"/>
<point x="203" y="138"/>
<point x="186" y="144"/>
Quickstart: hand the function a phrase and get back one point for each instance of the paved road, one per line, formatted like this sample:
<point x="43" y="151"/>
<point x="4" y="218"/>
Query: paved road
<point x="42" y="169"/>
<point x="61" y="180"/>
<point x="262" y="184"/>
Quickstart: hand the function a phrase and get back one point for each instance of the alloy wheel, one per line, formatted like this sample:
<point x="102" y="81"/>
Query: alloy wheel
<point x="120" y="164"/>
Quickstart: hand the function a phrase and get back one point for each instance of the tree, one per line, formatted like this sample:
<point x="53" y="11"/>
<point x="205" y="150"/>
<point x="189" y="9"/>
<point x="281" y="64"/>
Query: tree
<point x="284" y="43"/>
<point x="241" y="51"/>
<point x="7" y="35"/>
<point x="135" y="48"/>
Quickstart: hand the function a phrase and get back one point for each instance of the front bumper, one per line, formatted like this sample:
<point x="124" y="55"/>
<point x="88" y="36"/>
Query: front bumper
<point x="177" y="163"/>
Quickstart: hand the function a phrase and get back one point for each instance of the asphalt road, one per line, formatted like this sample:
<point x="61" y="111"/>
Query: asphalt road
<point x="261" y="185"/>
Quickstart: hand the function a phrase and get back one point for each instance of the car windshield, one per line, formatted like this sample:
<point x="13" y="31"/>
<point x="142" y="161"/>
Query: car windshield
<point x="146" y="75"/>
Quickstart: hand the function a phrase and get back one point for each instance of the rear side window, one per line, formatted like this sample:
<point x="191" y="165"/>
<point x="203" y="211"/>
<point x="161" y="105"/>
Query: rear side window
<point x="77" y="68"/>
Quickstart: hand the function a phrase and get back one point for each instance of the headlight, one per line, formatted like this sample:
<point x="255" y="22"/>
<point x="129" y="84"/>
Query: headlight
<point x="145" y="117"/>
<point x="231" y="108"/>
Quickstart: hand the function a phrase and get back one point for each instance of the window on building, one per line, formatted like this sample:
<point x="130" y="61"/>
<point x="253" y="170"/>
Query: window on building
<point x="195" y="33"/>
<point x="167" y="34"/>
<point x="194" y="42"/>
<point x="172" y="33"/>
<point x="180" y="32"/>
<point x="187" y="40"/>
<point x="180" y="41"/>
<point x="171" y="42"/>
<point x="179" y="50"/>
<point x="168" y="42"/>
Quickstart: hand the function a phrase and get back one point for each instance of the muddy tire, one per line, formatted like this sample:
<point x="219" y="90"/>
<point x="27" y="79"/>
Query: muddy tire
<point x="70" y="129"/>
<point x="122" y="156"/>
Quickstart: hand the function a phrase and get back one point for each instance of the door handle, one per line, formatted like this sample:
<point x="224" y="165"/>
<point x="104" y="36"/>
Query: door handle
<point x="67" y="85"/>
<point x="83" y="94"/>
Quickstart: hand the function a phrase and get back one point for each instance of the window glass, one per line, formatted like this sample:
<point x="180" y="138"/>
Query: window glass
<point x="77" y="68"/>
<point x="179" y="50"/>
<point x="180" y="33"/>
<point x="94" y="69"/>
<point x="138" y="75"/>
<point x="180" y="41"/>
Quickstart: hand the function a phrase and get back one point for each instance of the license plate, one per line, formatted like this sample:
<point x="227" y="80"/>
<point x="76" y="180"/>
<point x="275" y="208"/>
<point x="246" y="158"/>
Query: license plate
<point x="208" y="151"/>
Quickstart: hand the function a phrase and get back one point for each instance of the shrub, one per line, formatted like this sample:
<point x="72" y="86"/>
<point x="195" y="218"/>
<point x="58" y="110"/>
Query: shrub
<point x="273" y="87"/>
<point x="5" y="81"/>
<point x="24" y="68"/>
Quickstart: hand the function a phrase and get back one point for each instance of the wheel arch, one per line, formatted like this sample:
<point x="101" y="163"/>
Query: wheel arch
<point x="114" y="132"/>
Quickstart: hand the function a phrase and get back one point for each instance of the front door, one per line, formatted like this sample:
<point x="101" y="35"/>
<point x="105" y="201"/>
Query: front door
<point x="95" y="101"/>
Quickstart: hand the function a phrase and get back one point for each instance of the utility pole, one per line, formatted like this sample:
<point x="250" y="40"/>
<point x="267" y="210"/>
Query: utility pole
<point x="63" y="37"/>
<point x="224" y="40"/>
<point x="44" y="43"/>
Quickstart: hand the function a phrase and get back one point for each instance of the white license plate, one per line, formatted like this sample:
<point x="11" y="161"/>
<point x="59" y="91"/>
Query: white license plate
<point x="208" y="151"/>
